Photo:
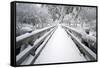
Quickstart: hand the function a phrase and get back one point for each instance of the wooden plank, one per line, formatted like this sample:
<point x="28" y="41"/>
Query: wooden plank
<point x="28" y="60"/>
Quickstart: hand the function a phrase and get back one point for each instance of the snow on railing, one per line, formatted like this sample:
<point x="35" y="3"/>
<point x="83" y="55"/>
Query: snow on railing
<point x="91" y="40"/>
<point x="28" y="37"/>
<point x="29" y="52"/>
<point x="37" y="52"/>
<point x="86" y="51"/>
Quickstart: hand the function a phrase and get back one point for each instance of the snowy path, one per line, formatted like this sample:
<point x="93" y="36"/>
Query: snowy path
<point x="60" y="48"/>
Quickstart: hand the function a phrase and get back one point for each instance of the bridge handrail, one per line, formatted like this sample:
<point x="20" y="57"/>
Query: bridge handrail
<point x="22" y="56"/>
<point x="26" y="37"/>
<point x="84" y="48"/>
<point x="37" y="52"/>
<point x="87" y="38"/>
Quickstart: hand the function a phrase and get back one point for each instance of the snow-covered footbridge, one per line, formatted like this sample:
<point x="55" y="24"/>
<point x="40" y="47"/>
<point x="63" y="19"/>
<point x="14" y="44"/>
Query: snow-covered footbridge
<point x="54" y="44"/>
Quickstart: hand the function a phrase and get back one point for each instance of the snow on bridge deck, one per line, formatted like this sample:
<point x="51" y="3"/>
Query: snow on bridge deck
<point x="60" y="48"/>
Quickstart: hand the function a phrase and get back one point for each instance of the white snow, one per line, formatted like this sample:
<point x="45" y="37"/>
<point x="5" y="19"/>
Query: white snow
<point x="60" y="48"/>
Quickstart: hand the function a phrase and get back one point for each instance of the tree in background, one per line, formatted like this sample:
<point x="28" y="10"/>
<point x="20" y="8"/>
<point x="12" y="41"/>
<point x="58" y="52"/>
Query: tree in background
<point x="33" y="15"/>
<point x="36" y="16"/>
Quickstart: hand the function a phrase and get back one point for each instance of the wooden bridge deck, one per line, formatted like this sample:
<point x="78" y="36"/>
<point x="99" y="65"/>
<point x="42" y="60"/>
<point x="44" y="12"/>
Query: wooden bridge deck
<point x="60" y="48"/>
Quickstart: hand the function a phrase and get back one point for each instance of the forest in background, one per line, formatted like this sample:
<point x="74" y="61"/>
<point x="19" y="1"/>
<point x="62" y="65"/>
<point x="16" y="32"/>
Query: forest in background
<point x="30" y="17"/>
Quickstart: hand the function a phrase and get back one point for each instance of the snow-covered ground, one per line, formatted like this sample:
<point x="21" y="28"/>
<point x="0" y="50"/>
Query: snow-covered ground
<point x="60" y="48"/>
